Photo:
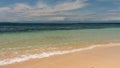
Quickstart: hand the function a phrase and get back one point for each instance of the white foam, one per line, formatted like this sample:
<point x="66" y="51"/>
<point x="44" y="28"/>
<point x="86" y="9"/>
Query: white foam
<point x="48" y="54"/>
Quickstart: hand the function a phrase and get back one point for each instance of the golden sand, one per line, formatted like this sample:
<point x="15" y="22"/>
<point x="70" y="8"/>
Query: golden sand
<point x="102" y="57"/>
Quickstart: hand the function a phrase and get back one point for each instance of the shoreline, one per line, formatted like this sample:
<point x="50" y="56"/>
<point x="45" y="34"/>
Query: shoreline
<point x="63" y="53"/>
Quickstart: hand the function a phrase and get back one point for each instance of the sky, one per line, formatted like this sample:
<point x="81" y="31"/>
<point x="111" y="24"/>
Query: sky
<point x="59" y="10"/>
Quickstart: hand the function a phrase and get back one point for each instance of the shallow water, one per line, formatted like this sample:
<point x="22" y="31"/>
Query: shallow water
<point x="33" y="39"/>
<point x="17" y="44"/>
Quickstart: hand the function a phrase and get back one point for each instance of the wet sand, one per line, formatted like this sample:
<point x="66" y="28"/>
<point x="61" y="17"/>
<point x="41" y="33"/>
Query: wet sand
<point x="102" y="57"/>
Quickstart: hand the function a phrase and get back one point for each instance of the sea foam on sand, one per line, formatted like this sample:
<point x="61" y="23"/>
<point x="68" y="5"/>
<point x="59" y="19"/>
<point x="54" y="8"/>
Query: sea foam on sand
<point x="48" y="54"/>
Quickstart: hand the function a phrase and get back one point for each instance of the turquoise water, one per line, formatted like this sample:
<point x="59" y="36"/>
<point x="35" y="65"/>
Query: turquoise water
<point x="35" y="39"/>
<point x="22" y="46"/>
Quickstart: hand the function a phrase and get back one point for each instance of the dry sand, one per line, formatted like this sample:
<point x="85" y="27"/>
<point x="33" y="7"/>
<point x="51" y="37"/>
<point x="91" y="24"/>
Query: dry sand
<point x="102" y="57"/>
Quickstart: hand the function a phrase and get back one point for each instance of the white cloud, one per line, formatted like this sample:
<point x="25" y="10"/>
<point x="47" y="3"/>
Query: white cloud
<point x="2" y="9"/>
<point x="41" y="5"/>
<point x="24" y="11"/>
<point x="20" y="8"/>
<point x="112" y="19"/>
<point x="56" y="18"/>
<point x="43" y="9"/>
<point x="59" y="12"/>
<point x="69" y="6"/>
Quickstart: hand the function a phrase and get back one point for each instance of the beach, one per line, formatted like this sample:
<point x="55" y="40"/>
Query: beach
<point x="82" y="48"/>
<point x="59" y="34"/>
<point x="99" y="57"/>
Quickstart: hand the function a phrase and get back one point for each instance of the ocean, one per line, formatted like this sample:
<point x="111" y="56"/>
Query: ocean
<point x="24" y="41"/>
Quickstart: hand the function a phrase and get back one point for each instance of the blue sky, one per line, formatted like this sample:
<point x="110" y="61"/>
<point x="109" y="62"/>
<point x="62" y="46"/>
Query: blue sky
<point x="59" y="10"/>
